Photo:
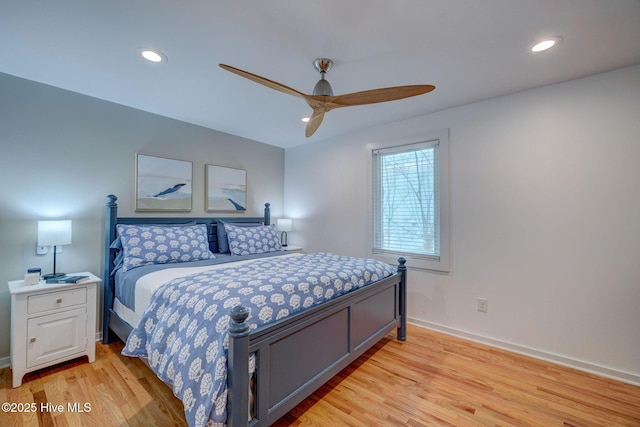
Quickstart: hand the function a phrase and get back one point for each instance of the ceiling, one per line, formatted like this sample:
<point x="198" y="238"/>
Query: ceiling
<point x="470" y="50"/>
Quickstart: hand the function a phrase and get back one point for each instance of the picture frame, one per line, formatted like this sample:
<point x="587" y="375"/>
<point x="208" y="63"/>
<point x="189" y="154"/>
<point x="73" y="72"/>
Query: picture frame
<point x="225" y="189"/>
<point x="163" y="184"/>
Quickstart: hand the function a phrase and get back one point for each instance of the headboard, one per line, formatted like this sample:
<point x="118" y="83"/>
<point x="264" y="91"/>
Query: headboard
<point x="112" y="219"/>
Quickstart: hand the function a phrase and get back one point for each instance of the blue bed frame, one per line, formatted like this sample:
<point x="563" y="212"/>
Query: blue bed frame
<point x="347" y="327"/>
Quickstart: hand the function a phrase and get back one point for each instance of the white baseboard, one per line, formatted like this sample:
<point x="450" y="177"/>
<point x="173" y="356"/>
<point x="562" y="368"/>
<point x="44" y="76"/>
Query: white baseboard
<point x="537" y="354"/>
<point x="5" y="361"/>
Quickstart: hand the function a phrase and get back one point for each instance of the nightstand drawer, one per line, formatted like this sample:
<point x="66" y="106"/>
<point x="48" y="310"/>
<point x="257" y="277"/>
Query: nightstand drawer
<point x="55" y="300"/>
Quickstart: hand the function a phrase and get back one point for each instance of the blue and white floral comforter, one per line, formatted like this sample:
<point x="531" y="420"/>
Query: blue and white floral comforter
<point x="184" y="331"/>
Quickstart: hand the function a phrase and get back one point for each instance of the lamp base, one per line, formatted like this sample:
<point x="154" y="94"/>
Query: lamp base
<point x="53" y="275"/>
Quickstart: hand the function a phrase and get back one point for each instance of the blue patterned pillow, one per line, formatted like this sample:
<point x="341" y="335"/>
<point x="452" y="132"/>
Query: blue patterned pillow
<point x="252" y="240"/>
<point x="154" y="244"/>
<point x="223" y="240"/>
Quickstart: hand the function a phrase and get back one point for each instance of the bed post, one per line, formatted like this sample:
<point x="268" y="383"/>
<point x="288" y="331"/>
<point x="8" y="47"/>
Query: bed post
<point x="402" y="301"/>
<point x="267" y="214"/>
<point x="111" y="214"/>
<point x="238" y="368"/>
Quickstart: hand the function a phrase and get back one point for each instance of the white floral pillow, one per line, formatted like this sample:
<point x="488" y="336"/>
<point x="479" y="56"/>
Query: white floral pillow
<point x="153" y="244"/>
<point x="252" y="240"/>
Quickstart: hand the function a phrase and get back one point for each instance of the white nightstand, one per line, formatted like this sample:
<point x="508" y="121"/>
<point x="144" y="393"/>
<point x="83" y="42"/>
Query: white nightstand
<point x="291" y="248"/>
<point x="52" y="323"/>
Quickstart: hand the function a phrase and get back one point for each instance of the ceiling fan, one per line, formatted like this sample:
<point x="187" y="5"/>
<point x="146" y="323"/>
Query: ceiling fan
<point x="322" y="100"/>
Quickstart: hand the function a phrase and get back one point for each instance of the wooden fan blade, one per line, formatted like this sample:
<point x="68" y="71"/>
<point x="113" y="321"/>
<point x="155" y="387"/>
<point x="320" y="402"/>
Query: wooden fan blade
<point x="263" y="81"/>
<point x="314" y="122"/>
<point x="378" y="95"/>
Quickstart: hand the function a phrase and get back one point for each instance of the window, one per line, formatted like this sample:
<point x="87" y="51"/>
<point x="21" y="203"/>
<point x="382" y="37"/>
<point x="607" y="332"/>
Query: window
<point x="410" y="202"/>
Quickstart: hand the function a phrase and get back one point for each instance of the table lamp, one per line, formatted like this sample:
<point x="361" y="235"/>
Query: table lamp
<point x="54" y="233"/>
<point x="284" y="225"/>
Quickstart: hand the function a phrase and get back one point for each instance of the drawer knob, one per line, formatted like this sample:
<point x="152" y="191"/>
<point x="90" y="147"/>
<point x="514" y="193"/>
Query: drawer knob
<point x="59" y="300"/>
<point x="32" y="340"/>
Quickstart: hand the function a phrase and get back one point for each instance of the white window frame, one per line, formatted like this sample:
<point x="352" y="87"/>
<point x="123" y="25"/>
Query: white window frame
<point x="441" y="263"/>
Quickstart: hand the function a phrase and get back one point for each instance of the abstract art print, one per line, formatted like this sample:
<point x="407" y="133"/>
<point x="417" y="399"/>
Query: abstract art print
<point x="226" y="189"/>
<point x="163" y="184"/>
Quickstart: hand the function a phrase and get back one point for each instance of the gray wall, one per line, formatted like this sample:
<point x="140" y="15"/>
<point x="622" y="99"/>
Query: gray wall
<point x="545" y="219"/>
<point x="62" y="153"/>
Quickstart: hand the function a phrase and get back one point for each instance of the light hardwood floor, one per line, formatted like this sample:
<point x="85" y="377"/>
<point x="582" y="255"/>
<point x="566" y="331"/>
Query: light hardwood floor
<point x="431" y="379"/>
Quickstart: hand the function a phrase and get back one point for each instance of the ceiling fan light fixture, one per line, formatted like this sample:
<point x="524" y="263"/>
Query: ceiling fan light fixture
<point x="546" y="44"/>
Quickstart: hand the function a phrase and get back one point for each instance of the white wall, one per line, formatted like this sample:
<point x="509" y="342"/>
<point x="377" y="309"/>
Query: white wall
<point x="545" y="219"/>
<point x="62" y="153"/>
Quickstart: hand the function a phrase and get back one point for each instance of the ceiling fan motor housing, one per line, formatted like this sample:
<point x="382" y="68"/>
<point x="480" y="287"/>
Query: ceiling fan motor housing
<point x="323" y="88"/>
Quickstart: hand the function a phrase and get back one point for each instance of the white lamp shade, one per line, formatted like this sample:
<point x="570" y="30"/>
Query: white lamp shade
<point x="284" y="224"/>
<point x="54" y="233"/>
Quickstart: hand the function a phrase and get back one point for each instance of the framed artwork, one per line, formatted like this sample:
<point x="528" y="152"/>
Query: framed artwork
<point x="163" y="184"/>
<point x="226" y="189"/>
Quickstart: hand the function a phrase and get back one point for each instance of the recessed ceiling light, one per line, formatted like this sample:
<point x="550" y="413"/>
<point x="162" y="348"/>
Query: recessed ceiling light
<point x="306" y="119"/>
<point x="546" y="44"/>
<point x="153" y="55"/>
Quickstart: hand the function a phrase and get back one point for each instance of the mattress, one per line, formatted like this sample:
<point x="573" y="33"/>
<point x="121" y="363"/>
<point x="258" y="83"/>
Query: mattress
<point x="146" y="285"/>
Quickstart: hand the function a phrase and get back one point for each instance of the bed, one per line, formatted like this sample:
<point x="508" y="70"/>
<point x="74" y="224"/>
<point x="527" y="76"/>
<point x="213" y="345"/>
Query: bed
<point x="271" y="364"/>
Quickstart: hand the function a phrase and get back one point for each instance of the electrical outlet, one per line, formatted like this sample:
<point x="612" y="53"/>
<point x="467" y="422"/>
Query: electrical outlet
<point x="482" y="305"/>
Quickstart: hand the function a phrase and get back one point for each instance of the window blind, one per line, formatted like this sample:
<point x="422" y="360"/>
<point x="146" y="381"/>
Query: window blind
<point x="406" y="200"/>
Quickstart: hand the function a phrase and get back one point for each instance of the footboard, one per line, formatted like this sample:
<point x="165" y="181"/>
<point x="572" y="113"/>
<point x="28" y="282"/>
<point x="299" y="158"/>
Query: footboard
<point x="295" y="356"/>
